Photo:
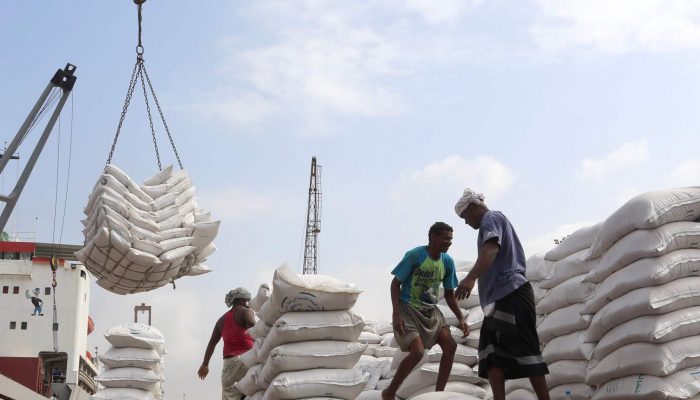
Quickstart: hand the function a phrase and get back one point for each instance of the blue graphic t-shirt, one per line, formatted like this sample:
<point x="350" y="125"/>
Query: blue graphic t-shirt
<point x="420" y="276"/>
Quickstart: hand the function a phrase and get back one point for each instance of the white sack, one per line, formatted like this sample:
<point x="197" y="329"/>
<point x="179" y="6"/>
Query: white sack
<point x="567" y="347"/>
<point x="427" y="375"/>
<point x="681" y="293"/>
<point x="136" y="335"/>
<point x="680" y="385"/>
<point x="642" y="273"/>
<point x="647" y="211"/>
<point x="577" y="391"/>
<point x="463" y="355"/>
<point x="122" y="394"/>
<point x="445" y="396"/>
<point x="650" y="329"/>
<point x="305" y="326"/>
<point x="567" y="268"/>
<point x="260" y="298"/>
<point x="259" y="330"/>
<point x="562" y="321"/>
<point x="310" y="355"/>
<point x="334" y="383"/>
<point x="646" y="358"/>
<point x="572" y="291"/>
<point x="250" y="383"/>
<point x="450" y="317"/>
<point x="369" y="338"/>
<point x="566" y="371"/>
<point x="646" y="243"/>
<point x="292" y="292"/>
<point x="121" y="357"/>
<point x="581" y="239"/>
<point x="538" y="268"/>
<point x="521" y="394"/>
<point x="374" y="367"/>
<point x="129" y="377"/>
<point x="454" y="387"/>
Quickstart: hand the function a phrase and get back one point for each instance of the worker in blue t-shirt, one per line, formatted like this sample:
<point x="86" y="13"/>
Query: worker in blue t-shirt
<point x="417" y="321"/>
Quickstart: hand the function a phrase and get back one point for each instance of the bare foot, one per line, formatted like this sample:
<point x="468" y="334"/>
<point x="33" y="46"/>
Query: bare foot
<point x="387" y="396"/>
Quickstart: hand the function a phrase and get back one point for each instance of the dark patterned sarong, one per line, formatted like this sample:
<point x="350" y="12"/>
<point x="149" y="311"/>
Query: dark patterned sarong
<point x="508" y="337"/>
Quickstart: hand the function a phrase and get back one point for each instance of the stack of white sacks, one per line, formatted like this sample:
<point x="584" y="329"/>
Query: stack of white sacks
<point x="646" y="308"/>
<point x="139" y="238"/>
<point x="557" y="278"/>
<point x="305" y="340"/>
<point x="463" y="379"/>
<point x="134" y="365"/>
<point x="620" y="304"/>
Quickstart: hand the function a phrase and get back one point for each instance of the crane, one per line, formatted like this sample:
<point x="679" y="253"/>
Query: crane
<point x="57" y="90"/>
<point x="313" y="220"/>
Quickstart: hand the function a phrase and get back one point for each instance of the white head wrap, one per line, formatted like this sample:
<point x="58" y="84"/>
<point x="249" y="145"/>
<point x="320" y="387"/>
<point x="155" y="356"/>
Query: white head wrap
<point x="238" y="293"/>
<point x="468" y="197"/>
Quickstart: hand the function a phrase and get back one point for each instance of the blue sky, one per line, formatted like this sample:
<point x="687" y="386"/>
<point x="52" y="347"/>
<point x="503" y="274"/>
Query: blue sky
<point x="559" y="111"/>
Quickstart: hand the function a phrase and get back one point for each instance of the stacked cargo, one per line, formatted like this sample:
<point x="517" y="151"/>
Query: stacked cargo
<point x="306" y="341"/>
<point x="141" y="237"/>
<point x="133" y="365"/>
<point x="645" y="310"/>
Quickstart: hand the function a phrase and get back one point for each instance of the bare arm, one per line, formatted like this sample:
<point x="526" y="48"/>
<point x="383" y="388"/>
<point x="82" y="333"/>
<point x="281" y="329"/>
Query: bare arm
<point x="486" y="257"/>
<point x="452" y="303"/>
<point x="396" y="316"/>
<point x="215" y="337"/>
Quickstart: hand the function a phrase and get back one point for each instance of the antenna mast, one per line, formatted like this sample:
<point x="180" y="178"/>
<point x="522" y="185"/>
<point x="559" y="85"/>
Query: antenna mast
<point x="313" y="220"/>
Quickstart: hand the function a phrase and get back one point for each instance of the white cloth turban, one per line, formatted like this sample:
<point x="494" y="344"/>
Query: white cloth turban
<point x="468" y="197"/>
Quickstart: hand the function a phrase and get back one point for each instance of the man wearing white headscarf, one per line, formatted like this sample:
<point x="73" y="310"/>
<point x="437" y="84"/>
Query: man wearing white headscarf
<point x="232" y="328"/>
<point x="508" y="342"/>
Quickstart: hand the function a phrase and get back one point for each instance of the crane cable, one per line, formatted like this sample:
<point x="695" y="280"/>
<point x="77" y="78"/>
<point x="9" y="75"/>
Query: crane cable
<point x="54" y="262"/>
<point x="140" y="72"/>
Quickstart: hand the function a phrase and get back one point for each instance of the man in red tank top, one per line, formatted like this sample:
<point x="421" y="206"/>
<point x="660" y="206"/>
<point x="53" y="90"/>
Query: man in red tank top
<point x="232" y="327"/>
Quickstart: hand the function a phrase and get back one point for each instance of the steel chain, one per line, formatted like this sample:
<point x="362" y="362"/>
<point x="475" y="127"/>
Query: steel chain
<point x="150" y="119"/>
<point x="162" y="117"/>
<point x="129" y="93"/>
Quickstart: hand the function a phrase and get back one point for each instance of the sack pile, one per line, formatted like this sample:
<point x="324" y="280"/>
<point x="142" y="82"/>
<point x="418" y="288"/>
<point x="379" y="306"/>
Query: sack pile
<point x="620" y="304"/>
<point x="557" y="278"/>
<point x="646" y="308"/>
<point x="139" y="238"/>
<point x="306" y="341"/>
<point x="133" y="365"/>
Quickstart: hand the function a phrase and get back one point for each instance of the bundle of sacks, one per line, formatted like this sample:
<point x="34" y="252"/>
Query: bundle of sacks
<point x="139" y="238"/>
<point x="306" y="340"/>
<point x="133" y="365"/>
<point x="557" y="278"/>
<point x="645" y="311"/>
<point x="463" y="380"/>
<point x="619" y="304"/>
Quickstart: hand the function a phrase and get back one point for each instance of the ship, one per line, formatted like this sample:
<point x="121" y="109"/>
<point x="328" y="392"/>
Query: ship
<point x="44" y="320"/>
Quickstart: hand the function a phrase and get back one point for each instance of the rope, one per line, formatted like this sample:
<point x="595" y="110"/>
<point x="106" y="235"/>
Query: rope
<point x="70" y="157"/>
<point x="55" y="198"/>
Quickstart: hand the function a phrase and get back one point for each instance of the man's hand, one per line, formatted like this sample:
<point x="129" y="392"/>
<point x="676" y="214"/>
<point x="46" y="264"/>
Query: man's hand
<point x="203" y="371"/>
<point x="465" y="288"/>
<point x="462" y="325"/>
<point x="398" y="323"/>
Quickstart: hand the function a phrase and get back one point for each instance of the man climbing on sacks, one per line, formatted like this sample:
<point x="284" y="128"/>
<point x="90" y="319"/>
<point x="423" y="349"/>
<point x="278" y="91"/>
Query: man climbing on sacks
<point x="418" y="323"/>
<point x="232" y="327"/>
<point x="508" y="344"/>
